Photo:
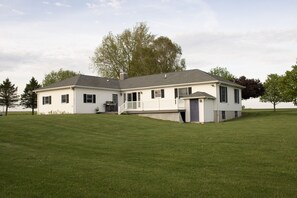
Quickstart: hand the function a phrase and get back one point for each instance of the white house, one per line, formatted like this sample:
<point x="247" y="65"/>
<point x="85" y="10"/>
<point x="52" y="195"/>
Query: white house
<point x="186" y="96"/>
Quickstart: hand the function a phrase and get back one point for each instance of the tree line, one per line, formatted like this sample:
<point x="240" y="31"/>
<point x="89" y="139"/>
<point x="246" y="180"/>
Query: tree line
<point x="138" y="52"/>
<point x="276" y="88"/>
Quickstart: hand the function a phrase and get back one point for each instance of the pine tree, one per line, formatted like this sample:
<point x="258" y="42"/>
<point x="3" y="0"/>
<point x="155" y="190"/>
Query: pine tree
<point x="29" y="97"/>
<point x="8" y="95"/>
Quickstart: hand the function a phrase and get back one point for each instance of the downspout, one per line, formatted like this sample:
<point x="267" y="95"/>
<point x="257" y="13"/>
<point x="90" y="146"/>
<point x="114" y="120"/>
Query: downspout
<point x="218" y="92"/>
<point x="74" y="100"/>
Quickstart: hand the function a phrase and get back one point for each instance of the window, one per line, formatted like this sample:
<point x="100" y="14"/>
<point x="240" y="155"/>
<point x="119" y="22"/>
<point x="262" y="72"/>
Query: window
<point x="223" y="115"/>
<point x="89" y="98"/>
<point x="65" y="98"/>
<point x="46" y="100"/>
<point x="180" y="92"/>
<point x="236" y="114"/>
<point x="157" y="93"/>
<point x="223" y="94"/>
<point x="132" y="100"/>
<point x="236" y="96"/>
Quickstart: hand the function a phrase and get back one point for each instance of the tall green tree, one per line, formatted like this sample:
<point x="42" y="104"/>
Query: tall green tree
<point x="222" y="72"/>
<point x="8" y="95"/>
<point x="56" y="76"/>
<point x="273" y="90"/>
<point x="137" y="52"/>
<point x="290" y="85"/>
<point x="29" y="97"/>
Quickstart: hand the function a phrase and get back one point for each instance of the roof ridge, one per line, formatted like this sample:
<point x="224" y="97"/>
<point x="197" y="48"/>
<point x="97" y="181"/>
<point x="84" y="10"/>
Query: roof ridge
<point x="162" y="73"/>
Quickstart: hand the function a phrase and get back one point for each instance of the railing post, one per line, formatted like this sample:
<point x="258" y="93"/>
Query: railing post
<point x="159" y="103"/>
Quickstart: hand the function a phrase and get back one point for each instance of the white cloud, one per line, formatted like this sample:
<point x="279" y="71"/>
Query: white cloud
<point x="92" y="5"/>
<point x="114" y="3"/>
<point x="1" y="5"/>
<point x="254" y="54"/>
<point x="18" y="12"/>
<point x="105" y="3"/>
<point x="46" y="2"/>
<point x="59" y="4"/>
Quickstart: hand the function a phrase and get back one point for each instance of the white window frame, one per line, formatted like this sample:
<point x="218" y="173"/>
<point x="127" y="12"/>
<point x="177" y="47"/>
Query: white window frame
<point x="187" y="91"/>
<point x="89" y="98"/>
<point x="46" y="100"/>
<point x="65" y="98"/>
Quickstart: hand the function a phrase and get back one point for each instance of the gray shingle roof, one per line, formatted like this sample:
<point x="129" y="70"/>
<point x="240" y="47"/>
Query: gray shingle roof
<point x="182" y="77"/>
<point x="86" y="81"/>
<point x="199" y="94"/>
<point x="187" y="76"/>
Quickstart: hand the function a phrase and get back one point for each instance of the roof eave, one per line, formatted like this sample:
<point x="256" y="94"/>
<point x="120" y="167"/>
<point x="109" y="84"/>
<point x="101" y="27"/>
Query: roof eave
<point x="54" y="88"/>
<point x="169" y="85"/>
<point x="198" y="97"/>
<point x="74" y="86"/>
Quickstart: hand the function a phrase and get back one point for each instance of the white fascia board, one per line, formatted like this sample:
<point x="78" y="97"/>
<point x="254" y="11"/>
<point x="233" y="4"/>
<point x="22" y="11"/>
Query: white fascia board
<point x="73" y="87"/>
<point x="171" y="85"/>
<point x="52" y="89"/>
<point x="199" y="97"/>
<point x="231" y="84"/>
<point x="97" y="88"/>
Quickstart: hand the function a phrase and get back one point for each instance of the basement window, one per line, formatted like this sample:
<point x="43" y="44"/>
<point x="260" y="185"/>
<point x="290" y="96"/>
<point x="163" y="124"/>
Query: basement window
<point x="223" y="115"/>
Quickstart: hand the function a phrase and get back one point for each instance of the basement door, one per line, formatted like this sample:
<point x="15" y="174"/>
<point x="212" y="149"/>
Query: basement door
<point x="194" y="110"/>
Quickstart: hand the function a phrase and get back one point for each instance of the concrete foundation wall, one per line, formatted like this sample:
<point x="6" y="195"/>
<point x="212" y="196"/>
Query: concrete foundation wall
<point x="164" y="116"/>
<point x="228" y="115"/>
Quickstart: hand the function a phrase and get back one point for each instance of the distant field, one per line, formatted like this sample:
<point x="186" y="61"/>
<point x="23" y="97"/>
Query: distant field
<point x="130" y="156"/>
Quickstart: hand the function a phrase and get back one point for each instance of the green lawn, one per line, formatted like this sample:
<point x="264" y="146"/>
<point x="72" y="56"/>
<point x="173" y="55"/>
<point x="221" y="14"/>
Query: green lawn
<point x="130" y="156"/>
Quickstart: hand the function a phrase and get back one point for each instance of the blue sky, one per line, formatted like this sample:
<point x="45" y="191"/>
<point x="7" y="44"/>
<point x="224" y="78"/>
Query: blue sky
<point x="250" y="37"/>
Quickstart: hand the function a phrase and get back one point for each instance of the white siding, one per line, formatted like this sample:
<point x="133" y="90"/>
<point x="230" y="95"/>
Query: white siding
<point x="76" y="101"/>
<point x="207" y="107"/>
<point x="101" y="97"/>
<point x="56" y="106"/>
<point x="208" y="110"/>
<point x="201" y="110"/>
<point x="168" y="102"/>
<point x="230" y="105"/>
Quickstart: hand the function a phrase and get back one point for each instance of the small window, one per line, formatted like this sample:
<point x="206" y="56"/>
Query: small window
<point x="223" y="94"/>
<point x="158" y="93"/>
<point x="223" y="115"/>
<point x="236" y="96"/>
<point x="180" y="92"/>
<point x="89" y="98"/>
<point x="236" y="114"/>
<point x="65" y="98"/>
<point x="46" y="100"/>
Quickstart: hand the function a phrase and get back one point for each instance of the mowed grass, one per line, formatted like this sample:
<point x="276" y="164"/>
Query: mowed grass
<point x="130" y="156"/>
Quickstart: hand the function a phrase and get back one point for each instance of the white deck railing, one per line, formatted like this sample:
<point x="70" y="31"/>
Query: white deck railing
<point x="152" y="105"/>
